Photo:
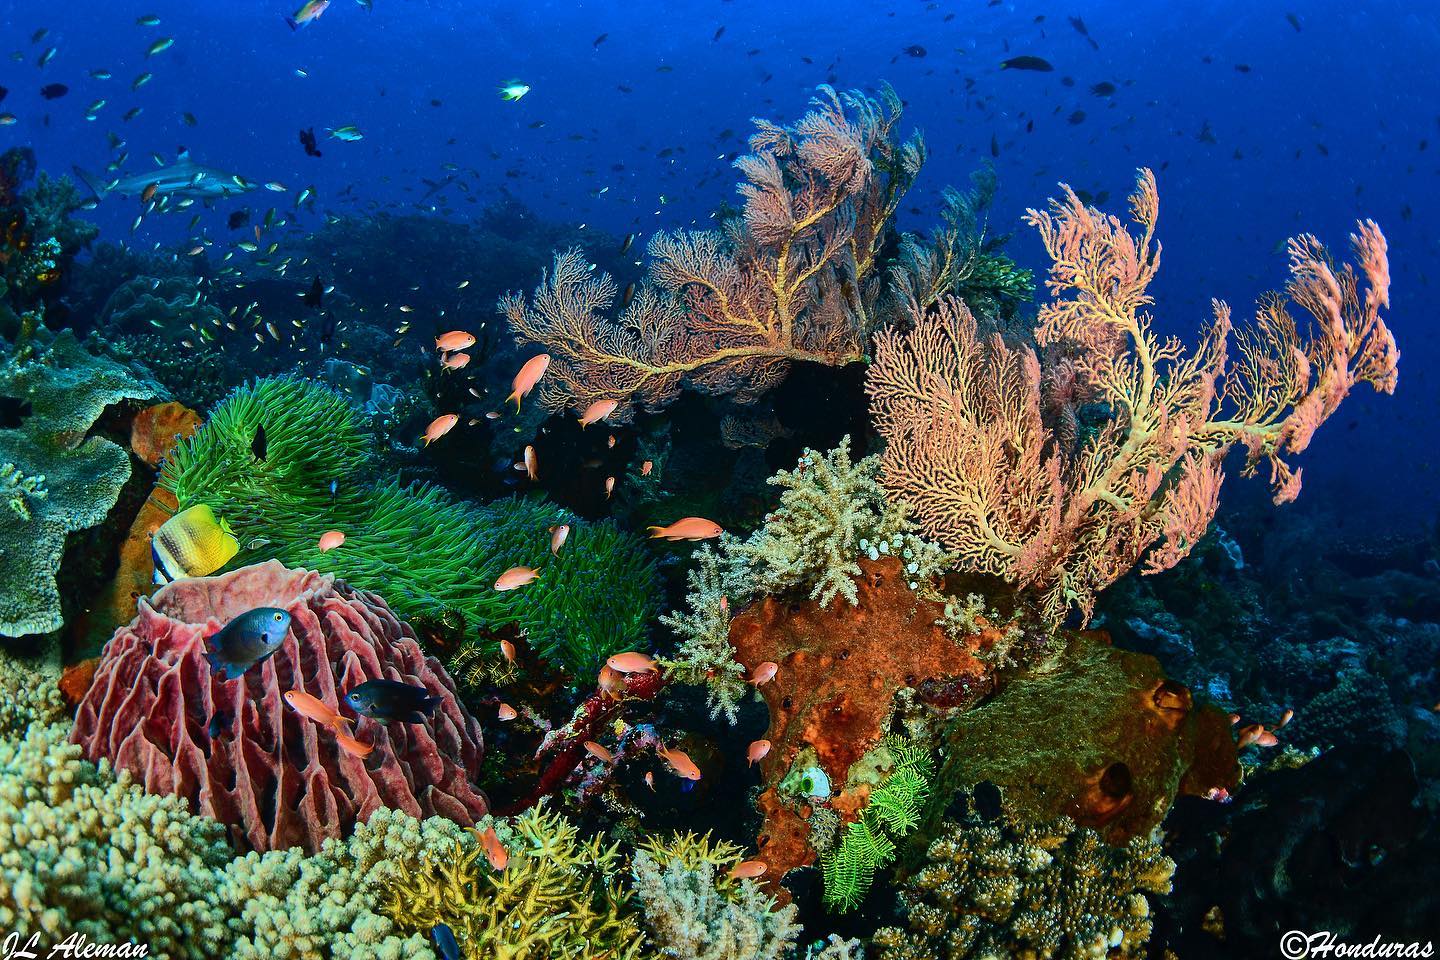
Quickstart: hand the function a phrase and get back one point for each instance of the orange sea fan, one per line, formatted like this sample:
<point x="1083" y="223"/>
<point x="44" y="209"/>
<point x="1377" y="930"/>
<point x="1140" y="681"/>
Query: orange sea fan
<point x="793" y="278"/>
<point x="986" y="447"/>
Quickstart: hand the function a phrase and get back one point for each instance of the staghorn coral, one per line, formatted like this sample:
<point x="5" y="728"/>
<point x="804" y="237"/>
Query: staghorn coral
<point x="236" y="752"/>
<point x="557" y="897"/>
<point x="982" y="440"/>
<point x="691" y="914"/>
<point x="1045" y="890"/>
<point x="798" y="277"/>
<point x="425" y="550"/>
<point x="54" y="477"/>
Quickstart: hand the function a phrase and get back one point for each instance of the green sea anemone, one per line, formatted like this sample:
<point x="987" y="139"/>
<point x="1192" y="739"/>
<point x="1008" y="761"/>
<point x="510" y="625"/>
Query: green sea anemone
<point x="423" y="550"/>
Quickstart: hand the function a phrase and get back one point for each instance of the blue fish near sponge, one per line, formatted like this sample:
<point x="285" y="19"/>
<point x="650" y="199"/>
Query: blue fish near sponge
<point x="247" y="640"/>
<point x="390" y="700"/>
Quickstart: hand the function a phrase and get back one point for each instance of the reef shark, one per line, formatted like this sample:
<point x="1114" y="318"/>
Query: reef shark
<point x="183" y="178"/>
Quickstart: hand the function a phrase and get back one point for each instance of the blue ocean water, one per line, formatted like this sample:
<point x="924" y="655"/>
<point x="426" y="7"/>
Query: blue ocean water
<point x="1310" y="128"/>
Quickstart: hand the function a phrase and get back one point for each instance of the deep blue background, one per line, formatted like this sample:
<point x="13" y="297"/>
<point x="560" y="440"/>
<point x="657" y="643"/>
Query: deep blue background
<point x="1338" y="120"/>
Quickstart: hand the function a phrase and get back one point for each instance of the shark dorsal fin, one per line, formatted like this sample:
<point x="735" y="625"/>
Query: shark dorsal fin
<point x="182" y="154"/>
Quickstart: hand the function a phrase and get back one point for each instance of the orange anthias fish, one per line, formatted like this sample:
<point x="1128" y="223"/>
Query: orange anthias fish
<point x="609" y="487"/>
<point x="495" y="851"/>
<point x="506" y="712"/>
<point x="764" y="673"/>
<point x="598" y="752"/>
<point x="597" y="411"/>
<point x="516" y="577"/>
<point x="759" y="749"/>
<point x="440" y="426"/>
<point x="532" y="463"/>
<point x="352" y="746"/>
<point x="526" y="379"/>
<point x="748" y="870"/>
<point x="508" y="649"/>
<point x="454" y="340"/>
<point x="315" y="709"/>
<point x="690" y="528"/>
<point x="558" y="535"/>
<point x="611" y="682"/>
<point x="680" y="762"/>
<point x="646" y="467"/>
<point x="631" y="662"/>
<point x="456" y="361"/>
<point x="330" y="539"/>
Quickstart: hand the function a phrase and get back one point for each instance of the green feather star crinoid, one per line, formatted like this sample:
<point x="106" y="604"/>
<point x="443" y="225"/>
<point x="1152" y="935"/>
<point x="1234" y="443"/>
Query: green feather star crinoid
<point x="868" y="844"/>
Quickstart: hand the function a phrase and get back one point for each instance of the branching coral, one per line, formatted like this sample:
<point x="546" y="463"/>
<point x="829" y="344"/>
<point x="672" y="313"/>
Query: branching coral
<point x="424" y="550"/>
<point x="691" y="915"/>
<point x="329" y="905"/>
<point x="84" y="852"/>
<point x="983" y="442"/>
<point x="1045" y="890"/>
<point x="54" y="477"/>
<point x="832" y="513"/>
<point x="557" y="897"/>
<point x="796" y="278"/>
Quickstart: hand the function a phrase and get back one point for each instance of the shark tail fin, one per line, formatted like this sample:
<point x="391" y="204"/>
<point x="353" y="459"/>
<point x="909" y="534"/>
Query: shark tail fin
<point x="91" y="181"/>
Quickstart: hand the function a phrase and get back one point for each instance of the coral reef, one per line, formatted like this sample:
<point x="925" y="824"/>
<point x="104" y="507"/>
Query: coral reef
<point x="83" y="852"/>
<point x="798" y="277"/>
<point x="330" y="905"/>
<point x="236" y="752"/>
<point x="556" y="896"/>
<point x="174" y="304"/>
<point x="688" y="916"/>
<point x="840" y="668"/>
<point x="427" y="551"/>
<point x="1042" y="889"/>
<point x="832" y="513"/>
<point x="984" y="442"/>
<point x="55" y="477"/>
<point x="1099" y="736"/>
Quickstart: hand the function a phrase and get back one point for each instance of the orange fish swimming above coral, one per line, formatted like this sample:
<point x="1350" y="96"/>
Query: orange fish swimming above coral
<point x="529" y="375"/>
<point x="454" y="340"/>
<point x="689" y="528"/>
<point x="597" y="411"/>
<point x="315" y="709"/>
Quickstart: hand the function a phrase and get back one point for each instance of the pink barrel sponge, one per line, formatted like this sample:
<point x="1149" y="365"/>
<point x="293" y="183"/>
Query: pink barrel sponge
<point x="276" y="778"/>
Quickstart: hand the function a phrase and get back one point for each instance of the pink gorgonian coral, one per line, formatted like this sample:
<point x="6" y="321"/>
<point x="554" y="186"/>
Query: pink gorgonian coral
<point x="243" y="757"/>
<point x="985" y="438"/>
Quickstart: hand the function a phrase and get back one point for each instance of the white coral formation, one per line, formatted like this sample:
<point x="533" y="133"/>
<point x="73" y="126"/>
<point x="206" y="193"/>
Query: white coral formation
<point x="689" y="917"/>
